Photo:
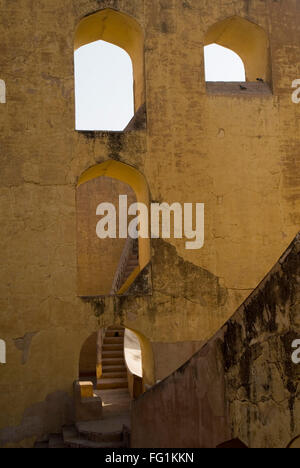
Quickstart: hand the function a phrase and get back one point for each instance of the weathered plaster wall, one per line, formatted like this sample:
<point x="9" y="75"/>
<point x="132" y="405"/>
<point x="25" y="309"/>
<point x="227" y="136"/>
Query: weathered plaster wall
<point x="262" y="382"/>
<point x="238" y="155"/>
<point x="241" y="384"/>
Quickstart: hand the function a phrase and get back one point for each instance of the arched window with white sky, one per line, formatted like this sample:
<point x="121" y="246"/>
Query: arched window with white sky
<point x="104" y="90"/>
<point x="222" y="64"/>
<point x="2" y="352"/>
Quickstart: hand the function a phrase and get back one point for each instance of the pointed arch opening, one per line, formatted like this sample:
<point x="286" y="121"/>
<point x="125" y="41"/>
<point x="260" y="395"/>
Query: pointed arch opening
<point x="103" y="87"/>
<point x="109" y="72"/>
<point x="111" y="263"/>
<point x="117" y="358"/>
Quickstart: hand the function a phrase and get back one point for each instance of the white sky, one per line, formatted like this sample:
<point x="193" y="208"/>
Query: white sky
<point x="104" y="82"/>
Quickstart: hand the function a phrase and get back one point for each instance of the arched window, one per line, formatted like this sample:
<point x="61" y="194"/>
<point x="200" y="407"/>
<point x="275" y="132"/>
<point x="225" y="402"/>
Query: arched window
<point x="2" y="92"/>
<point x="109" y="71"/>
<point x="110" y="262"/>
<point x="2" y="352"/>
<point x="237" y="50"/>
<point x="116" y="357"/>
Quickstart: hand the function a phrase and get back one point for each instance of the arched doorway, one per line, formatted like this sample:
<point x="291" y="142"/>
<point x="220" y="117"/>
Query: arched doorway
<point x="104" y="97"/>
<point x="117" y="30"/>
<point x="248" y="40"/>
<point x="120" y="364"/>
<point x="88" y="359"/>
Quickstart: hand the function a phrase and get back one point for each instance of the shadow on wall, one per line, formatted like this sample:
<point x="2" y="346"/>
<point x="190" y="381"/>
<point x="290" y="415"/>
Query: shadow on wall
<point x="88" y="357"/>
<point x="136" y="351"/>
<point x="40" y="419"/>
<point x="234" y="443"/>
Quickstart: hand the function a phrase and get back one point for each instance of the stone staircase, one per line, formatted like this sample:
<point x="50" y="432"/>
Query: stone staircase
<point x="110" y="433"/>
<point x="114" y="372"/>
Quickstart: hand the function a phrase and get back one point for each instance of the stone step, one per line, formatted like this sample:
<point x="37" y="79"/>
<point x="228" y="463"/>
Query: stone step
<point x="113" y="354"/>
<point x="112" y="369"/>
<point x="113" y="347"/>
<point x="90" y="433"/>
<point x="105" y="430"/>
<point x="113" y="340"/>
<point x="113" y="361"/>
<point x="85" y="443"/>
<point x="132" y="263"/>
<point x="104" y="384"/>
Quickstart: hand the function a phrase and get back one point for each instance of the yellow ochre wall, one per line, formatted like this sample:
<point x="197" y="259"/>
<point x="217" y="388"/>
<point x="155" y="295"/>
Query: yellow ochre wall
<point x="128" y="175"/>
<point x="237" y="154"/>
